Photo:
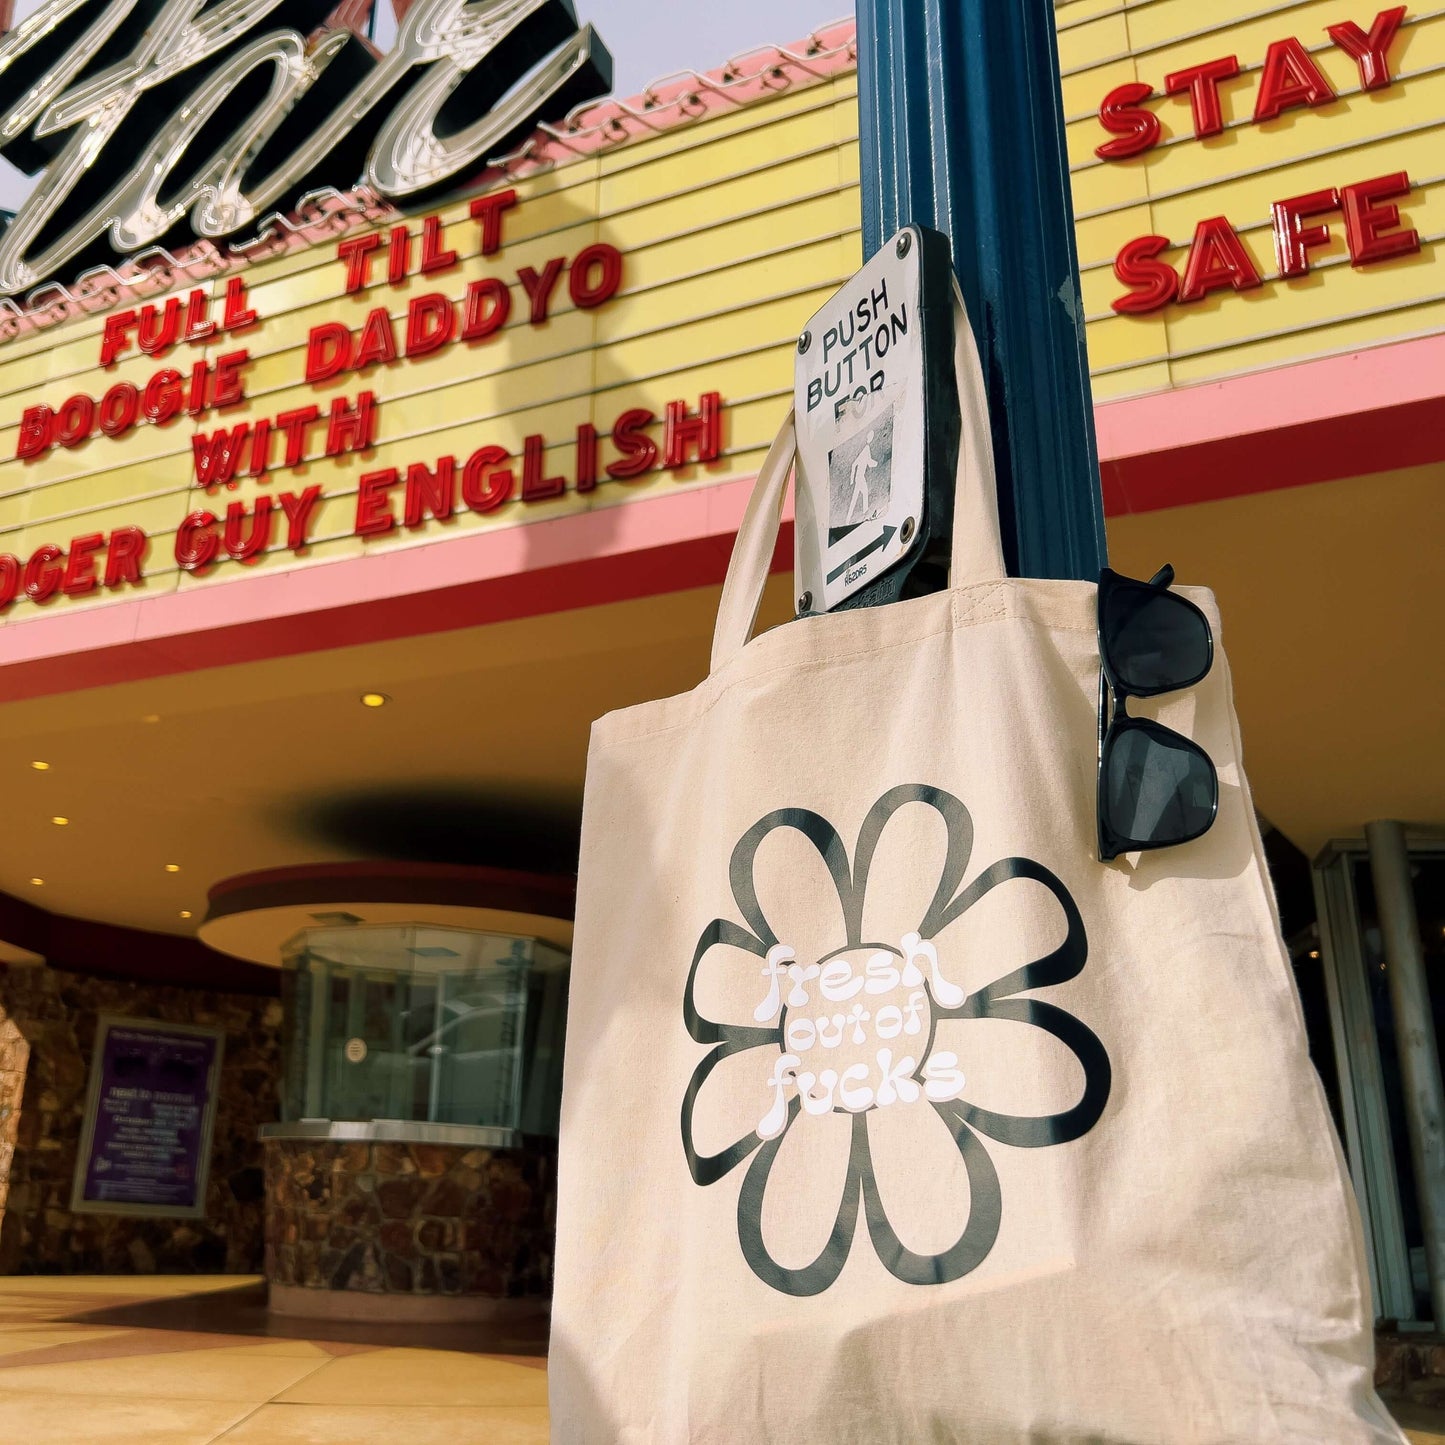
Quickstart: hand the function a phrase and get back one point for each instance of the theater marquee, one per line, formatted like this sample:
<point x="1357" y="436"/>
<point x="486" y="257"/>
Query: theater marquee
<point x="606" y="315"/>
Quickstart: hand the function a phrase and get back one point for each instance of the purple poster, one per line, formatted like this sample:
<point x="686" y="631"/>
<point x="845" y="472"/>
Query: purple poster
<point x="151" y="1105"/>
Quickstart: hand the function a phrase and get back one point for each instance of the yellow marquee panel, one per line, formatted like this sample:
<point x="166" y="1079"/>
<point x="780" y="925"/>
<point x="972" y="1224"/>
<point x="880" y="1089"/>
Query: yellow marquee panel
<point x="1093" y="43"/>
<point x="1241" y="174"/>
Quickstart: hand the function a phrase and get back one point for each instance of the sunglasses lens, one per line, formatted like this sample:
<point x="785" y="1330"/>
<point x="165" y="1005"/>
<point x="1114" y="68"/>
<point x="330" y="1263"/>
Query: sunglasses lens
<point x="1157" y="790"/>
<point x="1155" y="641"/>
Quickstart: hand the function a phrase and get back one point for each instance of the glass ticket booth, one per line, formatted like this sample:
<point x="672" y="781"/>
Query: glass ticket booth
<point x="412" y="1175"/>
<point x="420" y="1025"/>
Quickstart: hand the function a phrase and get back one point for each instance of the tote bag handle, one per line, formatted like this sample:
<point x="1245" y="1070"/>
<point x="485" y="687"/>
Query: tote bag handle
<point x="977" y="546"/>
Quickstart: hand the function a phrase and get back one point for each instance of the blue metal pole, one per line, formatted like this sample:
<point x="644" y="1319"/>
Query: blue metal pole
<point x="961" y="127"/>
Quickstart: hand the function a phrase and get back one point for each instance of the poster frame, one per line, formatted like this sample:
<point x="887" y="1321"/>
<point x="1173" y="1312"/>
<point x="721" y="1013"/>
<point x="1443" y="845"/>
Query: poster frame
<point x="79" y="1204"/>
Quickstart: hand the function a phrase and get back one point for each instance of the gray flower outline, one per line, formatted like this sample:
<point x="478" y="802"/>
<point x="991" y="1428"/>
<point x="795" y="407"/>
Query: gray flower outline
<point x="964" y="1121"/>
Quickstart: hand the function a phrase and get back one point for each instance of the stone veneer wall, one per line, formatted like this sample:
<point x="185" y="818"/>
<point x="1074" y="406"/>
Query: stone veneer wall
<point x="418" y="1219"/>
<point x="14" y="1061"/>
<point x="47" y="1029"/>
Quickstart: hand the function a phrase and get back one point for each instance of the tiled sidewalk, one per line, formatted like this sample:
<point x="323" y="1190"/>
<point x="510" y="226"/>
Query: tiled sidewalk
<point x="188" y="1361"/>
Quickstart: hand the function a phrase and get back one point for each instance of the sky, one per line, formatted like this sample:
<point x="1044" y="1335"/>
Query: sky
<point x="647" y="38"/>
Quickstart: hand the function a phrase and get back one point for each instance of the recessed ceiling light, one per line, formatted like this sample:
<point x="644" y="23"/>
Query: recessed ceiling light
<point x="38" y="882"/>
<point x="61" y="822"/>
<point x="173" y="867"/>
<point x="374" y="699"/>
<point x="40" y="767"/>
<point x="185" y="913"/>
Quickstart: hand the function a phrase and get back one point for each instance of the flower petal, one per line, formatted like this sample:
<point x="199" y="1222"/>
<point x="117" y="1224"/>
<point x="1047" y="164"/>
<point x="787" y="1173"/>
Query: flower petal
<point x="735" y="1099"/>
<point x="913" y="849"/>
<point x="790" y="879"/>
<point x="714" y="1155"/>
<point x="727" y="962"/>
<point x="1014" y="927"/>
<point x="732" y="984"/>
<point x="931" y="1194"/>
<point x="798" y="1207"/>
<point x="1033" y="1074"/>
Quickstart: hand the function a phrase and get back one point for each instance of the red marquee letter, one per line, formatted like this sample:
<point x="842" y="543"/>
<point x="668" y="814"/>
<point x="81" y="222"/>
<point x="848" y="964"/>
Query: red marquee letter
<point x="298" y="515"/>
<point x="1371" y="52"/>
<point x="247" y="549"/>
<point x="356" y="252"/>
<point x="1370" y="225"/>
<point x="704" y="431"/>
<point x="238" y="316"/>
<point x="488" y="211"/>
<point x="539" y="288"/>
<point x="162" y="398"/>
<point x="118" y="409"/>
<point x="373" y="506"/>
<point x="1290" y="79"/>
<point x="196" y="542"/>
<point x="585" y="294"/>
<point x="1202" y="83"/>
<point x="10" y="571"/>
<point x="1293" y="240"/>
<point x="80" y="575"/>
<point x="376" y="343"/>
<point x="536" y="485"/>
<point x="218" y="456"/>
<point x="433" y="257"/>
<point x="75" y="420"/>
<point x="486" y="484"/>
<point x="480" y="322"/>
<point x="639" y="451"/>
<point x="115" y="338"/>
<point x="1122" y="114"/>
<point x="1155" y="283"/>
<point x="43" y="573"/>
<point x="123" y="560"/>
<point x="586" y="457"/>
<point x="430" y="493"/>
<point x="327" y="348"/>
<point x="431" y="322"/>
<point x="37" y="432"/>
<point x="1217" y="259"/>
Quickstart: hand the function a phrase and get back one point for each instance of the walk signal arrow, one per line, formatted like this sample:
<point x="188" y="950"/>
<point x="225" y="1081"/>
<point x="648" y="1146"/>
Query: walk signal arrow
<point x="879" y="542"/>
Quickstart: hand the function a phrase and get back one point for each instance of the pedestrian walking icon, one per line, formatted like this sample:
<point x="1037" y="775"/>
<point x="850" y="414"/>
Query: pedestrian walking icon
<point x="860" y="474"/>
<point x="864" y="464"/>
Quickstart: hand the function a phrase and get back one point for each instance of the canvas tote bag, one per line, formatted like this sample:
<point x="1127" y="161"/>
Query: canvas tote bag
<point x="890" y="1113"/>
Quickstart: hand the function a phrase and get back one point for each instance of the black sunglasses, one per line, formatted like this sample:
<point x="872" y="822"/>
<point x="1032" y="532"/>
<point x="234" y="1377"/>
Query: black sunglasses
<point x="1156" y="787"/>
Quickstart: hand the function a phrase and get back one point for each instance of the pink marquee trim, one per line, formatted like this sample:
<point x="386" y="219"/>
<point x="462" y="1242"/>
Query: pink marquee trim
<point x="1342" y="416"/>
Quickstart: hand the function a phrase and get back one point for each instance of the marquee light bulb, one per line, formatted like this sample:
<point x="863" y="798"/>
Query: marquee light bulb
<point x="374" y="699"/>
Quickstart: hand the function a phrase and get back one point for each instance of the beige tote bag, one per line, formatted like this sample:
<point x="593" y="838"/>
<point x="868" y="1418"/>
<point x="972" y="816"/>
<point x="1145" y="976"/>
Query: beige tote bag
<point x="891" y="1114"/>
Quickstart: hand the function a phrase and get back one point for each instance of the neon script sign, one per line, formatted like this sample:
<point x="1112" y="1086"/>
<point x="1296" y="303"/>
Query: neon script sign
<point x="159" y="122"/>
